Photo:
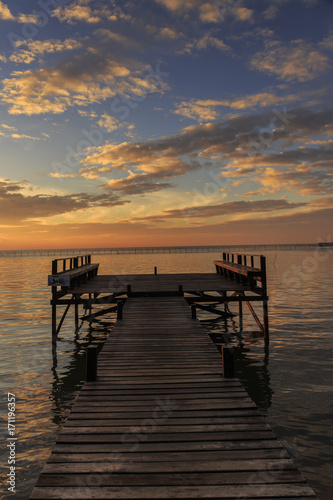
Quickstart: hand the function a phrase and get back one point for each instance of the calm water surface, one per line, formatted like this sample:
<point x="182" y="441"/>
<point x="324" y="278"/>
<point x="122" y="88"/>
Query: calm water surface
<point x="292" y="383"/>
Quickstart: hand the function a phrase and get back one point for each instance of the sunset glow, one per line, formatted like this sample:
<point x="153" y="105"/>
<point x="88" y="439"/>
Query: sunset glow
<point x="165" y="122"/>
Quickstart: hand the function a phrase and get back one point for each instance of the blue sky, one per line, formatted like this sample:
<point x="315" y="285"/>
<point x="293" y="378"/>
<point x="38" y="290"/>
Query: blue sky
<point x="165" y="122"/>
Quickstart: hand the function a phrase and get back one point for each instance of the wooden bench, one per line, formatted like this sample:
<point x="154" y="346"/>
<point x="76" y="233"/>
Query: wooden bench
<point x="241" y="272"/>
<point x="73" y="277"/>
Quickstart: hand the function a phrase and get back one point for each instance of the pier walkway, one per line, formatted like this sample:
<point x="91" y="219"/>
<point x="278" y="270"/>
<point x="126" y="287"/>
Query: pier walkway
<point x="161" y="422"/>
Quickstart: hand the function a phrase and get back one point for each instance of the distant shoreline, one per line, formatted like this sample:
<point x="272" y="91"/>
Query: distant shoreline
<point x="170" y="249"/>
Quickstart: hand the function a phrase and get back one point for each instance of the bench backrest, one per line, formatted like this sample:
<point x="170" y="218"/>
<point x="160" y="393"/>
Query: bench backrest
<point x="244" y="268"/>
<point x="71" y="271"/>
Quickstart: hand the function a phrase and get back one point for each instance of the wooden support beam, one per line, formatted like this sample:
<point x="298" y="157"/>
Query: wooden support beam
<point x="92" y="316"/>
<point x="266" y="325"/>
<point x="240" y="311"/>
<point x="91" y="366"/>
<point x="228" y="364"/>
<point x="215" y="311"/>
<point x="64" y="316"/>
<point x="119" y="309"/>
<point x="193" y="311"/>
<point x="255" y="317"/>
<point x="76" y="314"/>
<point x="54" y="322"/>
<point x="231" y="298"/>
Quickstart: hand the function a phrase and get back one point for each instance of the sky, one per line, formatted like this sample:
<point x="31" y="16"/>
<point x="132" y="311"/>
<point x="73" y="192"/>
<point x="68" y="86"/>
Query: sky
<point x="165" y="122"/>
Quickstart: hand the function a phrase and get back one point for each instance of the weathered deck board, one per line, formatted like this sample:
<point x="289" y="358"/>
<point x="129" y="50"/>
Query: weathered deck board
<point x="157" y="283"/>
<point x="161" y="422"/>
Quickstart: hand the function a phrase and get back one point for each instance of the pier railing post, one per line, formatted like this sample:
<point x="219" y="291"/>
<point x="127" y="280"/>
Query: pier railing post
<point x="264" y="293"/>
<point x="228" y="364"/>
<point x="54" y="304"/>
<point x="91" y="368"/>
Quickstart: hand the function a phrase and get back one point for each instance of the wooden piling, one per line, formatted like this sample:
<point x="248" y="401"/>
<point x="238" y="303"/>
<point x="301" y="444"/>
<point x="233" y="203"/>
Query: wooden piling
<point x="119" y="309"/>
<point x="193" y="311"/>
<point x="240" y="317"/>
<point x="228" y="367"/>
<point x="91" y="365"/>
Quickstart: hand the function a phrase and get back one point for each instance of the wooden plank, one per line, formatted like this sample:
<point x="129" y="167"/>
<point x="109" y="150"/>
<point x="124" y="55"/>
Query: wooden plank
<point x="174" y="492"/>
<point x="77" y="453"/>
<point x="181" y="466"/>
<point x="85" y="421"/>
<point x="162" y="437"/>
<point x="170" y="479"/>
<point x="153" y="425"/>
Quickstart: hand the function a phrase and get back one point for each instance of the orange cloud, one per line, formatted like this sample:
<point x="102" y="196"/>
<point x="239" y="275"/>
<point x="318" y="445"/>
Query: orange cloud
<point x="298" y="60"/>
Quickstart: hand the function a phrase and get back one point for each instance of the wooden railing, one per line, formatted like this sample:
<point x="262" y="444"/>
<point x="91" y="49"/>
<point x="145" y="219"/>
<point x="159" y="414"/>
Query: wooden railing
<point x="245" y="269"/>
<point x="70" y="263"/>
<point x="72" y="271"/>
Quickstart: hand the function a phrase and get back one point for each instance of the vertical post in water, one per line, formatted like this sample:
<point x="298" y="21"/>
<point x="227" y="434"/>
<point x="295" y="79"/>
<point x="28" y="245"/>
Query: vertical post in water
<point x="91" y="368"/>
<point x="228" y="366"/>
<point x="240" y="310"/>
<point x="54" y="304"/>
<point x="264" y="293"/>
<point x="76" y="307"/>
<point x="224" y="294"/>
<point x="119" y="309"/>
<point x="90" y="302"/>
<point x="193" y="311"/>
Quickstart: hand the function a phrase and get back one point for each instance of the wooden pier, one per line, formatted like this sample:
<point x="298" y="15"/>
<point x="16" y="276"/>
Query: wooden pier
<point x="159" y="420"/>
<point x="238" y="278"/>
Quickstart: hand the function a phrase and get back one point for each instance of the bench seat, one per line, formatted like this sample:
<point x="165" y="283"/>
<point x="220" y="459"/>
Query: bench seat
<point x="73" y="277"/>
<point x="238" y="268"/>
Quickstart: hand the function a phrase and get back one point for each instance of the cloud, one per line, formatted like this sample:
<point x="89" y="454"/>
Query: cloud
<point x="109" y="122"/>
<point x="237" y="146"/>
<point x="271" y="12"/>
<point x="85" y="79"/>
<point x="296" y="61"/>
<point x="211" y="41"/>
<point x="208" y="12"/>
<point x="135" y="184"/>
<point x="9" y="127"/>
<point x="77" y="12"/>
<point x="36" y="48"/>
<point x="201" y="110"/>
<point x="6" y="15"/>
<point x="204" y="43"/>
<point x="12" y="132"/>
<point x="327" y="42"/>
<point x="205" y="109"/>
<point x="16" y="206"/>
<point x="243" y="13"/>
<point x="304" y="180"/>
<point x="228" y="209"/>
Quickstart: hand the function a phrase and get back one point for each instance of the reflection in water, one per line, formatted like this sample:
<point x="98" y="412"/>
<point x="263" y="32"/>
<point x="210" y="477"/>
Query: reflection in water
<point x="65" y="386"/>
<point x="251" y="367"/>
